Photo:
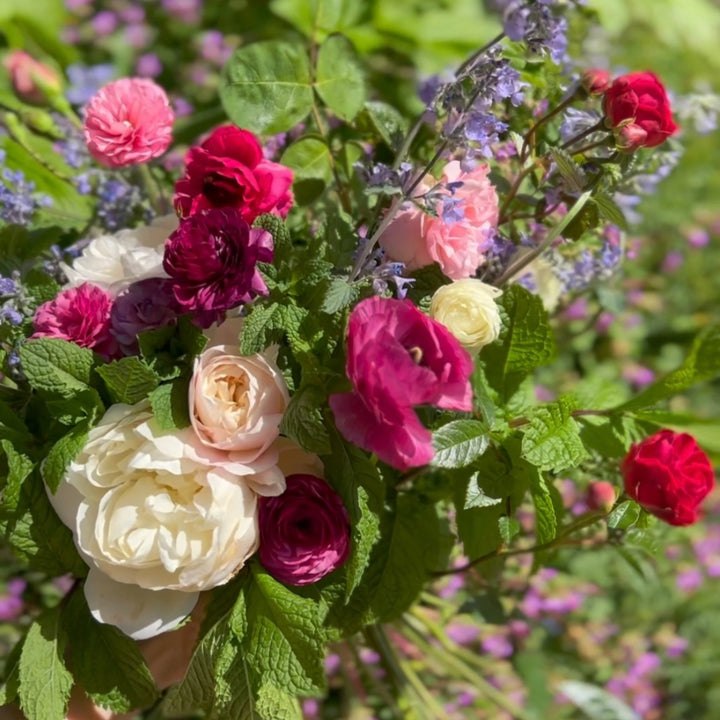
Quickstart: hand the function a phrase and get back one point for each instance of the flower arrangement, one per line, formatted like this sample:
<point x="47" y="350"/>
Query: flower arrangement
<point x="296" y="386"/>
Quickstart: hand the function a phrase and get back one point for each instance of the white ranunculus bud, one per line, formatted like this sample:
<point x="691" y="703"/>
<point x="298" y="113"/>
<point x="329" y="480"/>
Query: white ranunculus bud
<point x="468" y="310"/>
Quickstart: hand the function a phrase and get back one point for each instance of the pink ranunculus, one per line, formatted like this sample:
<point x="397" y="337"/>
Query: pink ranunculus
<point x="128" y="121"/>
<point x="305" y="532"/>
<point x="397" y="358"/>
<point x="457" y="241"/>
<point x="228" y="170"/>
<point x="80" y="314"/>
<point x="212" y="261"/>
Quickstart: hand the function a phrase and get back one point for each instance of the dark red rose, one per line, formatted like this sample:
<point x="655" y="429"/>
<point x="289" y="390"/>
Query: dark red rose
<point x="305" y="532"/>
<point x="639" y="103"/>
<point x="669" y="475"/>
<point x="212" y="262"/>
<point x="228" y="170"/>
<point x="397" y="358"/>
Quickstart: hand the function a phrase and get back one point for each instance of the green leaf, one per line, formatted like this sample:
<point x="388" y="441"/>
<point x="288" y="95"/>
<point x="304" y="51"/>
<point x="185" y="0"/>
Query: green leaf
<point x="303" y="420"/>
<point x="169" y="404"/>
<point x="45" y="682"/>
<point x="62" y="453"/>
<point x="56" y="366"/>
<point x="284" y="643"/>
<point x="388" y="122"/>
<point x="309" y="157"/>
<point x="552" y="439"/>
<point x="262" y="327"/>
<point x="610" y="210"/>
<point x="19" y="467"/>
<point x="509" y="528"/>
<point x="12" y="427"/>
<point x="459" y="443"/>
<point x="610" y="437"/>
<point x="265" y="86"/>
<point x="595" y="702"/>
<point x="533" y="669"/>
<point x="275" y="704"/>
<point x="702" y="363"/>
<point x="475" y="496"/>
<point x="624" y="516"/>
<point x="569" y="169"/>
<point x="526" y="341"/>
<point x="320" y="17"/>
<point x="128" y="380"/>
<point x="339" y="295"/>
<point x="546" y="521"/>
<point x="339" y="78"/>
<point x="282" y="242"/>
<point x="106" y="662"/>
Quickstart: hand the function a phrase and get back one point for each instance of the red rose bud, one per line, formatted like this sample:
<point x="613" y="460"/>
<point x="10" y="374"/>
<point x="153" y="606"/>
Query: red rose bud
<point x="669" y="475"/>
<point x="32" y="81"/>
<point x="596" y="82"/>
<point x="600" y="495"/>
<point x="639" y="101"/>
<point x="305" y="532"/>
<point x="630" y="137"/>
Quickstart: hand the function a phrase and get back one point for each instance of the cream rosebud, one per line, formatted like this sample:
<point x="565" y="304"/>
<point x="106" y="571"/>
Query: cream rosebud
<point x="468" y="310"/>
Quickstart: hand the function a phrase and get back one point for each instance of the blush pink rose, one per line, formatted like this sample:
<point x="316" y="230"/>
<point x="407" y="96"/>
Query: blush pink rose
<point x="80" y="314"/>
<point x="457" y="241"/>
<point x="305" y="532"/>
<point x="398" y="358"/>
<point x="128" y="121"/>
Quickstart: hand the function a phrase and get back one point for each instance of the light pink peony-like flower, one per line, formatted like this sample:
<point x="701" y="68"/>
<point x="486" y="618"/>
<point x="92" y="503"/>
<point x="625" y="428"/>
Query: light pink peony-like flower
<point x="128" y="121"/>
<point x="457" y="241"/>
<point x="79" y="314"/>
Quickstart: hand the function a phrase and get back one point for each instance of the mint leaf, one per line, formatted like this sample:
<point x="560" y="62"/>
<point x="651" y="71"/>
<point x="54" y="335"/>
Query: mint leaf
<point x="303" y="420"/>
<point x="339" y="77"/>
<point x="106" y="662"/>
<point x="459" y="443"/>
<point x="475" y="496"/>
<point x="265" y="86"/>
<point x="62" y="453"/>
<point x="340" y="294"/>
<point x="526" y="341"/>
<point x="552" y="439"/>
<point x="275" y="704"/>
<point x="509" y="528"/>
<point x="282" y="242"/>
<point x="388" y="122"/>
<point x="169" y="404"/>
<point x="45" y="682"/>
<point x="128" y="380"/>
<point x="261" y="328"/>
<point x="19" y="467"/>
<point x="624" y="516"/>
<point x="546" y="521"/>
<point x="56" y="366"/>
<point x="569" y="169"/>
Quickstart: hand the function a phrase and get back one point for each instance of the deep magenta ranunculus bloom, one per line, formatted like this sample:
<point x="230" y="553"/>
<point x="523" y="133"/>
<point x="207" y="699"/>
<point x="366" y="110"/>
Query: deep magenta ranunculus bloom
<point x="228" y="170"/>
<point x="398" y="358"/>
<point x="212" y="261"/>
<point x="80" y="314"/>
<point x="305" y="532"/>
<point x="669" y="475"/>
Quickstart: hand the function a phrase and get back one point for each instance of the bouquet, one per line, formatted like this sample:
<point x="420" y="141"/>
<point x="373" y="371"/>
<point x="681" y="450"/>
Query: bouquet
<point x="258" y="403"/>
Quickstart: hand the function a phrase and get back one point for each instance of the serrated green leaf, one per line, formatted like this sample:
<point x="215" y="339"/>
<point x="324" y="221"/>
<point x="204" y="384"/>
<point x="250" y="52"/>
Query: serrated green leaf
<point x="571" y="172"/>
<point x="106" y="662"/>
<point x="309" y="158"/>
<point x="610" y="437"/>
<point x="339" y="77"/>
<point x="388" y="122"/>
<point x="45" y="682"/>
<point x="62" y="453"/>
<point x="459" y="443"/>
<point x="552" y="439"/>
<point x="19" y="467"/>
<point x="475" y="496"/>
<point x="509" y="528"/>
<point x="274" y="704"/>
<point x="526" y="341"/>
<point x="610" y="210"/>
<point x="12" y="427"/>
<point x="546" y="521"/>
<point x="282" y="242"/>
<point x="624" y="516"/>
<point x="128" y="380"/>
<point x="261" y="328"/>
<point x="169" y="404"/>
<point x="56" y="366"/>
<point x="303" y="420"/>
<point x="266" y="86"/>
<point x="339" y="295"/>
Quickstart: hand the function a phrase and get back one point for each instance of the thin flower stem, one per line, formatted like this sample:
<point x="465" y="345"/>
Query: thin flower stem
<point x="479" y="53"/>
<point x="529" y="137"/>
<point x="590" y="146"/>
<point x="438" y="713"/>
<point x="598" y="127"/>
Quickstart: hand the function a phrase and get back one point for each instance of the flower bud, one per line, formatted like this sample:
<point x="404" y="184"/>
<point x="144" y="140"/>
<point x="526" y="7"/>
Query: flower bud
<point x="630" y="137"/>
<point x="32" y="81"/>
<point x="596" y="82"/>
<point x="467" y="308"/>
<point x="600" y="495"/>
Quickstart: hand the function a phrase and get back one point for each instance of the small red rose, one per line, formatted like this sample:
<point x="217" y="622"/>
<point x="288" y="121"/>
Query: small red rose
<point x="669" y="475"/>
<point x="639" y="101"/>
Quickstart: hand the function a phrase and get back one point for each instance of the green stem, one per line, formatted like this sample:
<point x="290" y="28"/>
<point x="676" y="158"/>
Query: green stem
<point x="529" y="136"/>
<point x="595" y="128"/>
<point x="152" y="187"/>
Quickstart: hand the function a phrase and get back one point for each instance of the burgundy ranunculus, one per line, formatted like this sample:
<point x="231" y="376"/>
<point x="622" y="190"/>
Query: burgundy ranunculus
<point x="212" y="261"/>
<point x="228" y="170"/>
<point x="398" y="358"/>
<point x="669" y="475"/>
<point x="305" y="532"/>
<point x="639" y="104"/>
<point x="144" y="305"/>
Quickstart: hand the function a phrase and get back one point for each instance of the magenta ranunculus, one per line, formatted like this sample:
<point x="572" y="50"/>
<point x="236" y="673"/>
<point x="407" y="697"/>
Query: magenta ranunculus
<point x="128" y="121"/>
<point x="80" y="314"/>
<point x="144" y="305"/>
<point x="228" y="170"/>
<point x="212" y="261"/>
<point x="398" y="358"/>
<point x="305" y="532"/>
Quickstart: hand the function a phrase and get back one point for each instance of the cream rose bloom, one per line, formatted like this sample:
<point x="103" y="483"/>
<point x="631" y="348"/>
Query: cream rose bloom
<point x="113" y="262"/>
<point x="157" y="516"/>
<point x="467" y="308"/>
<point x="236" y="405"/>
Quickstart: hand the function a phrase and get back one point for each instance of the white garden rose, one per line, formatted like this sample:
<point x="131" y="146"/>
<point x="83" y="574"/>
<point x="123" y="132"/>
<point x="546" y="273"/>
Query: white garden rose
<point x="113" y="262"/>
<point x="236" y="402"/>
<point x="467" y="308"/>
<point x="158" y="514"/>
